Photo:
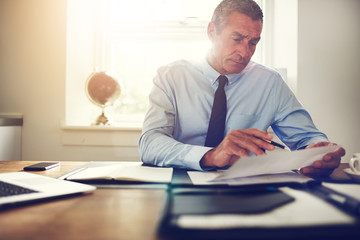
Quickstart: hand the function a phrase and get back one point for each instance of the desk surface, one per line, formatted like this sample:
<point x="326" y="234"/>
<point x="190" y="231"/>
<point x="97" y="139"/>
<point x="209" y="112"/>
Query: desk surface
<point x="104" y="214"/>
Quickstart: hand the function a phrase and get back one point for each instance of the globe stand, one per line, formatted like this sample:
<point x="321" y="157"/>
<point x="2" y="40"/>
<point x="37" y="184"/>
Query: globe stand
<point x="101" y="120"/>
<point x="102" y="90"/>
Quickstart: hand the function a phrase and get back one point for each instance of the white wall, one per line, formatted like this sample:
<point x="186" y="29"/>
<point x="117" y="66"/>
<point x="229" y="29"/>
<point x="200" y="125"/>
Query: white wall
<point x="33" y="71"/>
<point x="329" y="68"/>
<point x="284" y="39"/>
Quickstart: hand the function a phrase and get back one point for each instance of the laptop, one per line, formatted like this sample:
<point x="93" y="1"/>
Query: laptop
<point x="22" y="187"/>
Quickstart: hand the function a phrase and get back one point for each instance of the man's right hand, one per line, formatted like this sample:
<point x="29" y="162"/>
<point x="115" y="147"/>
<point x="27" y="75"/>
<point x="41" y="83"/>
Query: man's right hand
<point x="238" y="143"/>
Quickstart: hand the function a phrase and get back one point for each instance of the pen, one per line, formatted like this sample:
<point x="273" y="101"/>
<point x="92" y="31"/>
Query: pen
<point x="276" y="144"/>
<point x="273" y="143"/>
<point x="65" y="176"/>
<point x="344" y="202"/>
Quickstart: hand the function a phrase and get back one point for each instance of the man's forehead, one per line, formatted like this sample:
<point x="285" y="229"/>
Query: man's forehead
<point x="242" y="23"/>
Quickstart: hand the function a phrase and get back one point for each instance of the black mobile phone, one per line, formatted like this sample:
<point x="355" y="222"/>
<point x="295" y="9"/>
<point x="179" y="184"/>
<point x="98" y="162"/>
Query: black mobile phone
<point x="41" y="166"/>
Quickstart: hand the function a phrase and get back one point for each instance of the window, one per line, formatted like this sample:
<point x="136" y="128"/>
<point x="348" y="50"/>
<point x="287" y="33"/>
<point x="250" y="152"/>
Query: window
<point x="131" y="39"/>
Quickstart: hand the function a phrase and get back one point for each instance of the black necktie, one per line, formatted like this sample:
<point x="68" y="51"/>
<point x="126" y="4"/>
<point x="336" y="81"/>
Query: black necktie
<point x="215" y="133"/>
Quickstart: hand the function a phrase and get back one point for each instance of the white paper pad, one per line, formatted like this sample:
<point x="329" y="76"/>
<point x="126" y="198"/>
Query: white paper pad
<point x="206" y="178"/>
<point x="275" y="162"/>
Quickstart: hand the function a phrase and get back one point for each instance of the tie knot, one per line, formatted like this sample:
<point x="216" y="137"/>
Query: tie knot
<point x="222" y="80"/>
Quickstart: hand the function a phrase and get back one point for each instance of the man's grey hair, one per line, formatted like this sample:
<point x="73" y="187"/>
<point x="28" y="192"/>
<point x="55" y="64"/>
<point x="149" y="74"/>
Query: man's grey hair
<point x="226" y="7"/>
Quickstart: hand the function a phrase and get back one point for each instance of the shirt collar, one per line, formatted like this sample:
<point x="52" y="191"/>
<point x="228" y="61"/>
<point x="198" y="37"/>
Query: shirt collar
<point x="211" y="74"/>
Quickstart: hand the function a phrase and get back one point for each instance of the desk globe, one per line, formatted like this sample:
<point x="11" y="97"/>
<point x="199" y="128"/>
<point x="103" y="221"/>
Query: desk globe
<point x="102" y="90"/>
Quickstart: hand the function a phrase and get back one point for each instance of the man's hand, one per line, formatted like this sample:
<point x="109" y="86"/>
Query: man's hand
<point x="325" y="166"/>
<point x="238" y="143"/>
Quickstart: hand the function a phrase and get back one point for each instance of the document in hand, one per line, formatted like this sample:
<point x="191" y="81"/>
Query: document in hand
<point x="275" y="162"/>
<point x="125" y="172"/>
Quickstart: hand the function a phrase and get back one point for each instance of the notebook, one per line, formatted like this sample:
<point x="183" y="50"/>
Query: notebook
<point x="22" y="187"/>
<point x="119" y="171"/>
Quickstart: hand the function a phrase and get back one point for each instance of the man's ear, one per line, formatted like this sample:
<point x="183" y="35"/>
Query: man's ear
<point x="211" y="31"/>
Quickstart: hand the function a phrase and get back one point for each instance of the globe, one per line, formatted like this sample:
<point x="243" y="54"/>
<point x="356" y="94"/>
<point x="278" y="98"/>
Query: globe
<point x="102" y="90"/>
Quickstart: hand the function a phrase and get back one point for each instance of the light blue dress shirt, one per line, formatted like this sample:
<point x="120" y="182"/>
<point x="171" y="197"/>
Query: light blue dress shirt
<point x="176" y="123"/>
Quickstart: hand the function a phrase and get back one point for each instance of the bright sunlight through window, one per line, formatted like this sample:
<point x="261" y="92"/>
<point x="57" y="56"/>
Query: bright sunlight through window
<point x="131" y="40"/>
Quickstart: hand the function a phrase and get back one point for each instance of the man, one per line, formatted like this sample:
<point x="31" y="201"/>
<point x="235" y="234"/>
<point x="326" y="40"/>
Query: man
<point x="176" y="126"/>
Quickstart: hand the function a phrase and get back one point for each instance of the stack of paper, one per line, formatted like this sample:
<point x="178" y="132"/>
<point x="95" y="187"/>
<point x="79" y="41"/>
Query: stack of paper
<point x="275" y="162"/>
<point x="274" y="167"/>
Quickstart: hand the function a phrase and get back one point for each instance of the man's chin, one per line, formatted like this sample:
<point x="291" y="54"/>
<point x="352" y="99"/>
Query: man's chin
<point x="232" y="66"/>
<point x="235" y="69"/>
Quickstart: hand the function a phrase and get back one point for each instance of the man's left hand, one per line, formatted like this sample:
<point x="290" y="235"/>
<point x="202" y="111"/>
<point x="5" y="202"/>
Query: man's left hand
<point x="325" y="166"/>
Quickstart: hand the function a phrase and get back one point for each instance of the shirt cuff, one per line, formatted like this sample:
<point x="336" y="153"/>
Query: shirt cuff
<point x="192" y="159"/>
<point x="312" y="141"/>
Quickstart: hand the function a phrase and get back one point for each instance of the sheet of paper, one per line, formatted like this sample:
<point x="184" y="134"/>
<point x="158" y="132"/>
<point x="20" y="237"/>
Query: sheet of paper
<point x="306" y="210"/>
<point x="206" y="178"/>
<point x="275" y="162"/>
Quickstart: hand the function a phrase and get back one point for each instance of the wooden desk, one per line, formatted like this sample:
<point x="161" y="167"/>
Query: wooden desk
<point x="104" y="214"/>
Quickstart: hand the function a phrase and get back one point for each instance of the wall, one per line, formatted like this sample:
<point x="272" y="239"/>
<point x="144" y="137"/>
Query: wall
<point x="328" y="68"/>
<point x="33" y="71"/>
<point x="32" y="82"/>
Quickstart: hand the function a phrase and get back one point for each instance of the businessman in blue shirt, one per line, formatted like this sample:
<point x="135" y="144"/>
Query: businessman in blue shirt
<point x="176" y="124"/>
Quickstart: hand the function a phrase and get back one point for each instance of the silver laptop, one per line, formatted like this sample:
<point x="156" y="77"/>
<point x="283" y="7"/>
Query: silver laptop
<point x="23" y="187"/>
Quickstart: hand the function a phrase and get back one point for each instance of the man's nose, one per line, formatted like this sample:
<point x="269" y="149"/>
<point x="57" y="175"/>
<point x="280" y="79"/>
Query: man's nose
<point x="243" y="49"/>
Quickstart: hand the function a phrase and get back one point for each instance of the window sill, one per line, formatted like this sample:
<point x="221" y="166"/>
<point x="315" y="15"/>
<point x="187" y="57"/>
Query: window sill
<point x="122" y="135"/>
<point x="119" y="127"/>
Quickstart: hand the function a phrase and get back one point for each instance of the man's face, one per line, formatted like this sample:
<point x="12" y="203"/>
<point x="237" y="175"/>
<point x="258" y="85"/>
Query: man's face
<point x="234" y="46"/>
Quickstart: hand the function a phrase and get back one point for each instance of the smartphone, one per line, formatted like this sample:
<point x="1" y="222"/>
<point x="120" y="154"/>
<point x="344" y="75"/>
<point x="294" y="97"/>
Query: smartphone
<point x="41" y="166"/>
